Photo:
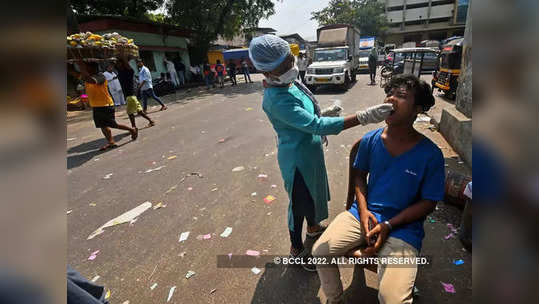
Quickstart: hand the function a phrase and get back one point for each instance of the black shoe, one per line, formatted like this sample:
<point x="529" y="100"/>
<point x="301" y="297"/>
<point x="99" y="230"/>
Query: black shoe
<point x="305" y="257"/>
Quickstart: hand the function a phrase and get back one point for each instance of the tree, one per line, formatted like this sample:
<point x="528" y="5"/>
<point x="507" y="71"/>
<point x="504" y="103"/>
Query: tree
<point x="129" y="8"/>
<point x="367" y="15"/>
<point x="209" y="19"/>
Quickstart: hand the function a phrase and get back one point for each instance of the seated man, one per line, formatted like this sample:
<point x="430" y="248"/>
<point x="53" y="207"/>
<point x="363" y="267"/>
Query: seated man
<point x="405" y="180"/>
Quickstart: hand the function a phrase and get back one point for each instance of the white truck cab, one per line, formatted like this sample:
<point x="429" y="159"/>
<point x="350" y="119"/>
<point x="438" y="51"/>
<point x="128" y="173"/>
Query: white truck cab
<point x="330" y="66"/>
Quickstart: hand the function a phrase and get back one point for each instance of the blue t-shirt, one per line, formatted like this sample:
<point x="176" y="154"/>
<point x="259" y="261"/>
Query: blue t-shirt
<point x="396" y="183"/>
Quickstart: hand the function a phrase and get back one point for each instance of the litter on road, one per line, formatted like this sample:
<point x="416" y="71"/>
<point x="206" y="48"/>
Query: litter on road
<point x="227" y="232"/>
<point x="155" y="169"/>
<point x="213" y="290"/>
<point x="214" y="189"/>
<point x="262" y="176"/>
<point x="189" y="274"/>
<point x="69" y="211"/>
<point x="107" y="295"/>
<point x="458" y="262"/>
<point x="252" y="252"/>
<point x="448" y="287"/>
<point x="447" y="237"/>
<point x="268" y="199"/>
<point x="184" y="236"/>
<point x="238" y="169"/>
<point x="170" y="293"/>
<point x="274" y="186"/>
<point x="172" y="157"/>
<point x="124" y="218"/>
<point x="190" y="189"/>
<point x="93" y="204"/>
<point x="107" y="176"/>
<point x="253" y="194"/>
<point x="153" y="286"/>
<point x="93" y="255"/>
<point x="171" y="189"/>
<point x="95" y="279"/>
<point x="159" y="205"/>
<point x="256" y="270"/>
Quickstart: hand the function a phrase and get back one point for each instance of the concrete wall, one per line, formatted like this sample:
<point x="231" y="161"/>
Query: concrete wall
<point x="464" y="90"/>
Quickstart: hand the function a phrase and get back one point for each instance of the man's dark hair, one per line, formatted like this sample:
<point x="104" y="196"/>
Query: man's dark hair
<point x="218" y="61"/>
<point x="422" y="91"/>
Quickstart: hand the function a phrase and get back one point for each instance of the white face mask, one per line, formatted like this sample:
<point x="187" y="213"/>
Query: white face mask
<point x="286" y="78"/>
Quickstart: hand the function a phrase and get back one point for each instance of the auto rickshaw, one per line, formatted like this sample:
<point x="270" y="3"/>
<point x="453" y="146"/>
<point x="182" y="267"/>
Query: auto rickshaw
<point x="408" y="61"/>
<point x="446" y="79"/>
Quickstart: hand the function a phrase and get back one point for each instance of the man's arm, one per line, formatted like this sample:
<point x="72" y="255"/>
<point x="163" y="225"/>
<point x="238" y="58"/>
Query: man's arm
<point x="413" y="213"/>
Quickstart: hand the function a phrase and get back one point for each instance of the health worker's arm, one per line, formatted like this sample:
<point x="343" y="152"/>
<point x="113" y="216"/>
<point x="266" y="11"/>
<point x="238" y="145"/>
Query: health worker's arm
<point x="290" y="112"/>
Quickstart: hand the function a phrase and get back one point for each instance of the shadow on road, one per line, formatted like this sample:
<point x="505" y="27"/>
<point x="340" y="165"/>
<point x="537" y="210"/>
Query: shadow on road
<point x="89" y="150"/>
<point x="358" y="291"/>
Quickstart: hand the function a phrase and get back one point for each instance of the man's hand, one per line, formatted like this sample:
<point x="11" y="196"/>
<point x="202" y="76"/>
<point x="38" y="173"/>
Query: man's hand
<point x="364" y="217"/>
<point x="382" y="230"/>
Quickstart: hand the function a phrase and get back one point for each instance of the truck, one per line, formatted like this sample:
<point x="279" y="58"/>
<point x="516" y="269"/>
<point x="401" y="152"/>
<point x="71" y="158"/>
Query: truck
<point x="336" y="58"/>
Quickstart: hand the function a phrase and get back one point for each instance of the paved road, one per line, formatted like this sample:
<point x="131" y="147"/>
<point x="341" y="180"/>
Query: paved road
<point x="134" y="257"/>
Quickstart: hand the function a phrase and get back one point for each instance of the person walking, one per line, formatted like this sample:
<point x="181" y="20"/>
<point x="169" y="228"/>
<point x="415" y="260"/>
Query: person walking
<point x="245" y="70"/>
<point x="180" y="70"/>
<point x="171" y="71"/>
<point x="294" y="113"/>
<point x="303" y="63"/>
<point x="126" y="76"/>
<point x="101" y="102"/>
<point x="145" y="86"/>
<point x="232" y="72"/>
<point x="208" y="76"/>
<point x="115" y="88"/>
<point x="220" y="70"/>
<point x="373" y="58"/>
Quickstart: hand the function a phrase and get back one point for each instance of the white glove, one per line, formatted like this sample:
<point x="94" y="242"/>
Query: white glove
<point x="374" y="114"/>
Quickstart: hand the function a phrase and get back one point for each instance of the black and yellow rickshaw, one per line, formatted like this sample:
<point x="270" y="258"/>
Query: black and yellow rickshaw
<point x="446" y="78"/>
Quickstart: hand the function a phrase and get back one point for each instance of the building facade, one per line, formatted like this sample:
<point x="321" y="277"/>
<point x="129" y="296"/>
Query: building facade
<point x="155" y="40"/>
<point x="418" y="20"/>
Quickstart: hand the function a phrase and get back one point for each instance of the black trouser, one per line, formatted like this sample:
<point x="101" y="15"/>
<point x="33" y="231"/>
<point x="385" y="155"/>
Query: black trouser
<point x="372" y="72"/>
<point x="302" y="76"/>
<point x="302" y="207"/>
<point x="233" y="78"/>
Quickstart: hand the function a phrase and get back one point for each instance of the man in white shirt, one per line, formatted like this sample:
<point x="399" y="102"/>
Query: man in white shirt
<point x="145" y="86"/>
<point x="303" y="63"/>
<point x="114" y="86"/>
<point x="172" y="71"/>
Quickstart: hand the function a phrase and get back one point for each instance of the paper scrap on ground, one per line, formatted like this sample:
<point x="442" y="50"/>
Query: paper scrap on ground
<point x="222" y="140"/>
<point x="227" y="232"/>
<point x="422" y="118"/>
<point x="190" y="188"/>
<point x="182" y="254"/>
<point x="126" y="302"/>
<point x="448" y="287"/>
<point x="107" y="176"/>
<point x="268" y="199"/>
<point x="170" y="293"/>
<point x="274" y="186"/>
<point x="253" y="194"/>
<point x="262" y="176"/>
<point x="207" y="236"/>
<point x="213" y="290"/>
<point x="93" y="204"/>
<point x="124" y="218"/>
<point x="107" y="295"/>
<point x="171" y="189"/>
<point x="155" y="169"/>
<point x="69" y="211"/>
<point x="159" y="205"/>
<point x="248" y="109"/>
<point x="172" y="157"/>
<point x="447" y="237"/>
<point x="229" y="256"/>
<point x="72" y="138"/>
<point x="252" y="253"/>
<point x="153" y="286"/>
<point x="458" y="262"/>
<point x="189" y="274"/>
<point x="95" y="279"/>
<point x="256" y="270"/>
<point x="238" y="169"/>
<point x="214" y="189"/>
<point x="93" y="255"/>
<point x="184" y="236"/>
